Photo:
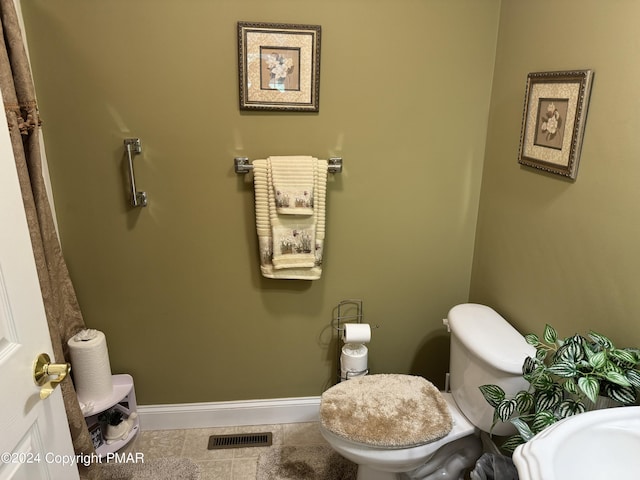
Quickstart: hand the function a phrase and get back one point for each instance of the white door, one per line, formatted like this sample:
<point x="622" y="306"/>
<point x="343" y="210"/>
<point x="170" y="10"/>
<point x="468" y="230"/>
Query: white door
<point x="35" y="442"/>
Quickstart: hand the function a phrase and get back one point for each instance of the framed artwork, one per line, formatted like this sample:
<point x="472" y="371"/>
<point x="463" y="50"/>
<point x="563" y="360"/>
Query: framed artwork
<point x="279" y="66"/>
<point x="555" y="112"/>
<point x="96" y="435"/>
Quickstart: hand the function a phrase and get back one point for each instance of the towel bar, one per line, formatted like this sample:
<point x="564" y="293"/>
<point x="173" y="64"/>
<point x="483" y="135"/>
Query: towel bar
<point x="243" y="165"/>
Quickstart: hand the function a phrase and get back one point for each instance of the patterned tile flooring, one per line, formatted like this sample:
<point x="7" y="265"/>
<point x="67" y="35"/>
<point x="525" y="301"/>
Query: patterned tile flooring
<point x="226" y="464"/>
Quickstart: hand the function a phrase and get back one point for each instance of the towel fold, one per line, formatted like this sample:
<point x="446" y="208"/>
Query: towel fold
<point x="291" y="236"/>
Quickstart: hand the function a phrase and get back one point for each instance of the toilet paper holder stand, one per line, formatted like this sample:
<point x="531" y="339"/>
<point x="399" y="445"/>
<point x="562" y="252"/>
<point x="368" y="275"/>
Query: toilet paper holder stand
<point x="347" y="311"/>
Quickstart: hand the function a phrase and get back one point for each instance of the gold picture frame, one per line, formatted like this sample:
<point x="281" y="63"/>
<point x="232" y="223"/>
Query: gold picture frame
<point x="279" y="66"/>
<point x="555" y="112"/>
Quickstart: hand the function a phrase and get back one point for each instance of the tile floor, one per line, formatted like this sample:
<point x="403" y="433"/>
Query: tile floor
<point x="225" y="464"/>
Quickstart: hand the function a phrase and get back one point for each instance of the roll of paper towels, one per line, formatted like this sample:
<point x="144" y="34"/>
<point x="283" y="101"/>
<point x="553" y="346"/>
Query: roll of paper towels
<point x="354" y="358"/>
<point x="356" y="333"/>
<point x="90" y="366"/>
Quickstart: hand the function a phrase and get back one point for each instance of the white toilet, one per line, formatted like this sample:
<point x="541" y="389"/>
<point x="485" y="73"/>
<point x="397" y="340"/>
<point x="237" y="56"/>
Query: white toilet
<point x="485" y="349"/>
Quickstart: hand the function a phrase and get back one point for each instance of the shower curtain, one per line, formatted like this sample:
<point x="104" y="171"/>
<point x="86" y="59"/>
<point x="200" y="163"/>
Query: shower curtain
<point x="60" y="303"/>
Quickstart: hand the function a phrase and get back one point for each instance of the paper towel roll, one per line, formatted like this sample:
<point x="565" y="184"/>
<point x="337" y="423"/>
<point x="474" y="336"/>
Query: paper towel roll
<point x="90" y="365"/>
<point x="356" y="333"/>
<point x="354" y="358"/>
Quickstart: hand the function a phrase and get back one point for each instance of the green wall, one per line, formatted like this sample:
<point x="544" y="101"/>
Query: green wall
<point x="404" y="99"/>
<point x="548" y="249"/>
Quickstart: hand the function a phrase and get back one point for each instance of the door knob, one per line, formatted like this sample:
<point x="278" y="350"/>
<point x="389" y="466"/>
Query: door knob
<point x="43" y="369"/>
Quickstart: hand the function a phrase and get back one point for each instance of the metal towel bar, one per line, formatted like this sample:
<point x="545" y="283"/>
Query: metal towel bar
<point x="242" y="165"/>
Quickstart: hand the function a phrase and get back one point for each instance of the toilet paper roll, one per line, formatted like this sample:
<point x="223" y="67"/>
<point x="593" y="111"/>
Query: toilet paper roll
<point x="354" y="358"/>
<point x="356" y="333"/>
<point x="90" y="366"/>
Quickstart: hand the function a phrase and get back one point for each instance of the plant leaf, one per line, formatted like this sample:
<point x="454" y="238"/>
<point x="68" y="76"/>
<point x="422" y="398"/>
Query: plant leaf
<point x="511" y="443"/>
<point x="599" y="360"/>
<point x="564" y="369"/>
<point x="570" y="352"/>
<point x="571" y="386"/>
<point x="601" y="340"/>
<point x="617" y="378"/>
<point x="493" y="394"/>
<point x="634" y="377"/>
<point x="506" y="409"/>
<point x="568" y="408"/>
<point x="590" y="387"/>
<point x="532" y="339"/>
<point x="523" y="429"/>
<point x="624" y="358"/>
<point x="541" y="354"/>
<point x="542" y="420"/>
<point x="550" y="335"/>
<point x="624" y="395"/>
<point x="524" y="402"/>
<point x="548" y="400"/>
<point x="542" y="381"/>
<point x="528" y="366"/>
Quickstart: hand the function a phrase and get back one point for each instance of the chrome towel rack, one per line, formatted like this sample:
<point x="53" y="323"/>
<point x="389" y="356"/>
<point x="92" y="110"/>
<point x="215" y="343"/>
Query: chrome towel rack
<point x="242" y="165"/>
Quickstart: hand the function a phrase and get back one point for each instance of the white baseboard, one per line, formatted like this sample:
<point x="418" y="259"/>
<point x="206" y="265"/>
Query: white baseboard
<point x="224" y="414"/>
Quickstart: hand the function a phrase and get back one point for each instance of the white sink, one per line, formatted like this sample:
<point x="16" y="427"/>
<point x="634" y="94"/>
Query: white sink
<point x="596" y="445"/>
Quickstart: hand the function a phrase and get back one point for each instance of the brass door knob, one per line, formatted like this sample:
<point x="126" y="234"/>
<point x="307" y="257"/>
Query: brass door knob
<point x="43" y="369"/>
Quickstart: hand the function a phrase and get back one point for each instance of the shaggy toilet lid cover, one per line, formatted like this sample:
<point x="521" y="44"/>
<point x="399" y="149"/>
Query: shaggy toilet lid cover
<point x="386" y="410"/>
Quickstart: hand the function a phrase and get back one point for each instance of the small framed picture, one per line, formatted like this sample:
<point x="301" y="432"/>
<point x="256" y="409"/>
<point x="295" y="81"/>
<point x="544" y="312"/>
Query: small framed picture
<point x="279" y="66"/>
<point x="555" y="112"/>
<point x="95" y="431"/>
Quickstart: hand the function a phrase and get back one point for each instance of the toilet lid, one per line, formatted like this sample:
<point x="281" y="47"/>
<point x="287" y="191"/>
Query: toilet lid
<point x="386" y="410"/>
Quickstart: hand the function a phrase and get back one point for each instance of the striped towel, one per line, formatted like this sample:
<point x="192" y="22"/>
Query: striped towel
<point x="291" y="237"/>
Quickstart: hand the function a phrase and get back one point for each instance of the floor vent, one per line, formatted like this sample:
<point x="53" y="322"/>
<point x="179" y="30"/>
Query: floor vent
<point x="240" y="440"/>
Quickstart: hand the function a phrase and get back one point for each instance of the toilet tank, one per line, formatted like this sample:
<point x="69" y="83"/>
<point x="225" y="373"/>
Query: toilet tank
<point x="485" y="349"/>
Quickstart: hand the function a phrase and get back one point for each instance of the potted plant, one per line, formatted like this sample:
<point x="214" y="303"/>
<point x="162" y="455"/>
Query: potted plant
<point x="567" y="377"/>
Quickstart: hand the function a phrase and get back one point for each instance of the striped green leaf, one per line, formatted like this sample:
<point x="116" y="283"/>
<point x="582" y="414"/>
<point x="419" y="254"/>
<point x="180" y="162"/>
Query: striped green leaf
<point x="543" y="381"/>
<point x="570" y="352"/>
<point x="550" y="335"/>
<point x="564" y="369"/>
<point x="541" y="354"/>
<point x="542" y="420"/>
<point x="619" y="393"/>
<point x="623" y="358"/>
<point x="528" y="366"/>
<point x="524" y="402"/>
<point x="548" y="400"/>
<point x="493" y="394"/>
<point x="601" y="340"/>
<point x="568" y="408"/>
<point x="590" y="387"/>
<point x="599" y="360"/>
<point x="523" y="429"/>
<point x="570" y="386"/>
<point x="511" y="443"/>
<point x="617" y="378"/>
<point x="634" y="378"/>
<point x="532" y="339"/>
<point x="506" y="409"/>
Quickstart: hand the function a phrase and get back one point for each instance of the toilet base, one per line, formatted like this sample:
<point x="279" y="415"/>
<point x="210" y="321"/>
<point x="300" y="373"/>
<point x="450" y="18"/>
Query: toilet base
<point x="368" y="473"/>
<point x="448" y="463"/>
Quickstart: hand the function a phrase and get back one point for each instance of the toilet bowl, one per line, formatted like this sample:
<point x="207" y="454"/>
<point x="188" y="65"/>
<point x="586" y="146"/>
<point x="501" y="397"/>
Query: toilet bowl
<point x="485" y="349"/>
<point x="457" y="450"/>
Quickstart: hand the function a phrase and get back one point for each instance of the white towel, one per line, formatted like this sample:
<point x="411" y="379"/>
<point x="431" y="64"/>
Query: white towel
<point x="290" y="245"/>
<point x="292" y="179"/>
